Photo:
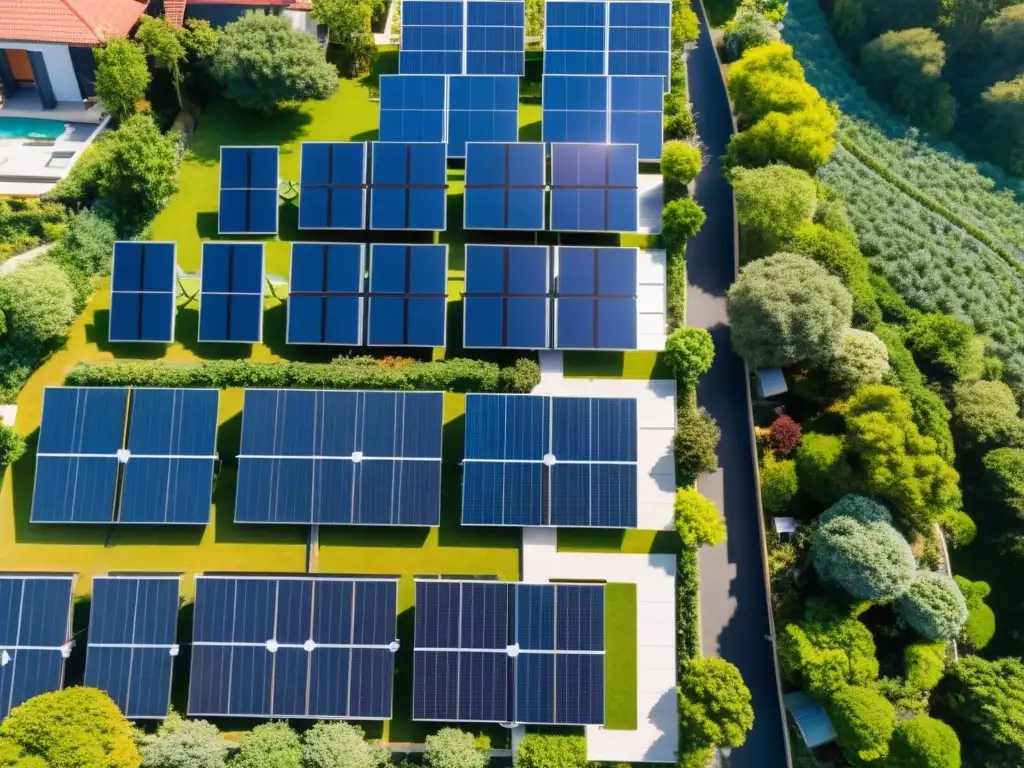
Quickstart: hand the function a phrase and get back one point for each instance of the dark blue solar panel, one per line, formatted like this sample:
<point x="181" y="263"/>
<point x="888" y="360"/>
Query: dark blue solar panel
<point x="325" y="296"/>
<point x="575" y="109"/>
<point x="344" y="458"/>
<point x="595" y="300"/>
<point x="639" y="38"/>
<point x="507" y="300"/>
<point x="432" y="41"/>
<point x="574" y="38"/>
<point x="143" y="292"/>
<point x="495" y="37"/>
<point x="505" y="186"/>
<point x="408" y="186"/>
<point x="231" y="293"/>
<point x="637" y="114"/>
<point x="132" y="630"/>
<point x="318" y="647"/>
<point x="332" y="185"/>
<point x="474" y="37"/>
<point x="594" y="188"/>
<point x="482" y="108"/>
<point x="35" y="625"/>
<point x="412" y="108"/>
<point x="408" y="295"/>
<point x="248" y="191"/>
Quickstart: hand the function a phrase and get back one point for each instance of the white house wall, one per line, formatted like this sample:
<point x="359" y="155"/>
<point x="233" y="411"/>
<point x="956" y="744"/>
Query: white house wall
<point x="303" y="21"/>
<point x="58" y="67"/>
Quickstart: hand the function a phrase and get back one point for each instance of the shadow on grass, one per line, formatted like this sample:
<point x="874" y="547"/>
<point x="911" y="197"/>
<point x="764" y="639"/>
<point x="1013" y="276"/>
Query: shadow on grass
<point x="384" y="63"/>
<point x="186" y="333"/>
<point x="223" y="123"/>
<point x="98" y="332"/>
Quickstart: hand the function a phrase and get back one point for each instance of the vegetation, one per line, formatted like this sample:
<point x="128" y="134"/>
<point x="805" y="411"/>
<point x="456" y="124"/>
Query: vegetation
<point x="934" y="606"/>
<point x="924" y="742"/>
<point x="121" y="76"/>
<point x="862" y="360"/>
<point x="551" y="751"/>
<point x="779" y="484"/>
<point x="863" y="721"/>
<point x="771" y="204"/>
<point x="697" y="436"/>
<point x="698" y="521"/>
<point x="12" y="445"/>
<point x="38" y="306"/>
<point x="341" y="745"/>
<point x="180" y="743"/>
<point x="24" y="224"/>
<point x="349" y="25"/>
<point x="452" y="748"/>
<point x="269" y="745"/>
<point x="714" y="705"/>
<point x="986" y="417"/>
<point x="689" y="353"/>
<point x="980" y="626"/>
<point x="680" y="163"/>
<point x="822" y="467"/>
<point x="681" y="219"/>
<point x="784" y="435"/>
<point x="924" y="664"/>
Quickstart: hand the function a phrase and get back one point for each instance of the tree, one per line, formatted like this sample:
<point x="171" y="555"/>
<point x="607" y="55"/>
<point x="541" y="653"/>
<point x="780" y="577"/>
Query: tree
<point x="88" y="244"/>
<point x="269" y="745"/>
<point x="121" y="76"/>
<point x="180" y="743"/>
<point x="986" y="416"/>
<point x="778" y="483"/>
<point x="698" y="521"/>
<point x="541" y="750"/>
<point x="1001" y="38"/>
<point x="924" y="664"/>
<point x="349" y="25"/>
<point x="924" y="742"/>
<point x="786" y="309"/>
<point x="942" y="345"/>
<point x="746" y="76"/>
<point x="822" y="467"/>
<point x="141" y="172"/>
<point x="771" y="203"/>
<point x="38" y="306"/>
<point x="680" y="220"/>
<point x="163" y="43"/>
<point x="1003" y="486"/>
<point x="802" y="139"/>
<point x="862" y="359"/>
<point x="863" y="721"/>
<point x="341" y="745"/>
<point x="774" y="92"/>
<point x="784" y="435"/>
<point x="714" y="704"/>
<point x="535" y="18"/>
<point x="980" y="626"/>
<point x="933" y="606"/>
<point x="680" y="164"/>
<point x="1003" y="103"/>
<point x="452" y="748"/>
<point x="689" y="353"/>
<point x="263" y="61"/>
<point x="72" y="728"/>
<point x="697" y="436"/>
<point x="685" y="27"/>
<point x="12" y="445"/>
<point x="748" y="29"/>
<point x="865" y="556"/>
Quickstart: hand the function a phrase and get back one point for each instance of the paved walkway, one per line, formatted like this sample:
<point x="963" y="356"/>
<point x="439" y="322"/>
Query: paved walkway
<point x="733" y="603"/>
<point x="24" y="258"/>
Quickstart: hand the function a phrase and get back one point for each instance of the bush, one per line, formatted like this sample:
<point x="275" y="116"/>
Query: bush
<point x="680" y="164"/>
<point x="778" y="484"/>
<point x="680" y="220"/>
<point x="538" y="750"/>
<point x="748" y="76"/>
<point x="784" y="435"/>
<point x="679" y="123"/>
<point x="748" y="29"/>
<point x="685" y="27"/>
<point x="687" y="607"/>
<point x="81" y="187"/>
<point x="38" y="306"/>
<point x="180" y="743"/>
<point x="924" y="742"/>
<point x="862" y="359"/>
<point x="698" y="521"/>
<point x="268" y="745"/>
<point x="802" y="139"/>
<point x="822" y="468"/>
<point x="863" y="721"/>
<point x="986" y="416"/>
<point x="12" y="445"/>
<point x="697" y="436"/>
<point x="941" y="345"/>
<point x="452" y="748"/>
<point x="522" y="376"/>
<point x="980" y="626"/>
<point x="121" y="75"/>
<point x="924" y="664"/>
<point x="933" y="606"/>
<point x="341" y="745"/>
<point x="1003" y="486"/>
<point x="689" y="353"/>
<point x="771" y="204"/>
<point x="714" y="705"/>
<point x="959" y="527"/>
<point x="88" y="244"/>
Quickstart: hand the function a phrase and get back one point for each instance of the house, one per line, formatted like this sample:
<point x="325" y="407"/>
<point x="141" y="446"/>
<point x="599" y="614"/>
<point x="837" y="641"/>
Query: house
<point x="221" y="12"/>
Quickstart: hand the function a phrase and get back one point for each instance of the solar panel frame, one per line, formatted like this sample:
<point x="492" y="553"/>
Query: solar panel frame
<point x="577" y="45"/>
<point x="618" y="62"/>
<point x="209" y="247"/>
<point x="331" y="186"/>
<point x="142" y="293"/>
<point x="463" y="38"/>
<point x="359" y="295"/>
<point x="489" y="60"/>
<point x="501" y="121"/>
<point x="249" y="189"/>
<point x="380" y="297"/>
<point x="449" y="58"/>
<point x="564" y="297"/>
<point x="473" y="318"/>
<point x="563" y="150"/>
<point x="398" y="117"/>
<point x="408" y="185"/>
<point x="521" y="151"/>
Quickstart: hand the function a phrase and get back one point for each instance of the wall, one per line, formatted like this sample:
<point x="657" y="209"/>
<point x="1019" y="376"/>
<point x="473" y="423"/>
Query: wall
<point x="303" y="21"/>
<point x="85" y="69"/>
<point x="59" y="67"/>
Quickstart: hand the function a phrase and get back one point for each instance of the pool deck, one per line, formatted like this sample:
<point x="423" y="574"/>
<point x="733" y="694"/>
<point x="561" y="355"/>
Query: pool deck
<point x="30" y="167"/>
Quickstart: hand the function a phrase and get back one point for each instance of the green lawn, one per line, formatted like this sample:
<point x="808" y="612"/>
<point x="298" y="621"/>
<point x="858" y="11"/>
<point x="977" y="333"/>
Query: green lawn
<point x="620" y="649"/>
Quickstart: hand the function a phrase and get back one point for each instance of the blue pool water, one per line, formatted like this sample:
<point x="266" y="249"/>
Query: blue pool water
<point x="29" y="128"/>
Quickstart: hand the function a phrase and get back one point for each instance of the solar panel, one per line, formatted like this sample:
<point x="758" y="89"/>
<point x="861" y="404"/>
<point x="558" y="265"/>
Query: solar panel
<point x="408" y="186"/>
<point x="594" y="188"/>
<point x="509" y="653"/>
<point x="463" y="37"/>
<point x="293" y="646"/>
<point x="482" y="108"/>
<point x="413" y="108"/>
<point x="507" y="302"/>
<point x="408" y="295"/>
<point x="133" y="623"/>
<point x="248" y="191"/>
<point x="143" y="292"/>
<point x="125" y="455"/>
<point x="637" y="106"/>
<point x="332" y="185"/>
<point x="325" y="295"/>
<point x="340" y="458"/>
<point x="639" y="38"/>
<point x="505" y="186"/>
<point x="533" y="460"/>
<point x="496" y="37"/>
<point x="35" y="635"/>
<point x="596" y="298"/>
<point x="575" y="41"/>
<point x="231" y="293"/>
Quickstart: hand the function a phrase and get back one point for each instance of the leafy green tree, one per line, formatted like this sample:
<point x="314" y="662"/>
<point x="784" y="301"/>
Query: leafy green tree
<point x="452" y="748"/>
<point x="698" y="521"/>
<point x="1002" y="486"/>
<point x="163" y="43"/>
<point x="960" y="528"/>
<point x="341" y="745"/>
<point x="200" y="39"/>
<point x="542" y="750"/>
<point x="685" y="27"/>
<point x="121" y="76"/>
<point x="862" y="359"/>
<point x="1003" y="103"/>
<point x="12" y="445"/>
<point x="88" y="244"/>
<point x="695" y="441"/>
<point x="942" y="345"/>
<point x="689" y="353"/>
<point x="980" y="626"/>
<point x="778" y="483"/>
<point x="986" y="416"/>
<point x="714" y="705"/>
<point x="822" y="467"/>
<point x="680" y="220"/>
<point x="924" y="742"/>
<point x="748" y="29"/>
<point x="38" y="306"/>
<point x="771" y="203"/>
<point x="786" y="309"/>
<point x="748" y="75"/>
<point x="180" y="743"/>
<point x="777" y="93"/>
<point x="863" y="721"/>
<point x="924" y="664"/>
<point x="269" y="745"/>
<point x="960" y="21"/>
<point x="262" y="61"/>
<point x="680" y="164"/>
<point x="802" y="139"/>
<point x="534" y="18"/>
<point x="349" y="25"/>
<point x="933" y="606"/>
<point x="1001" y="41"/>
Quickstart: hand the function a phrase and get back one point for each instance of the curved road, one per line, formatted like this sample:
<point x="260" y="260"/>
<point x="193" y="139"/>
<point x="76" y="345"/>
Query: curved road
<point x="733" y="604"/>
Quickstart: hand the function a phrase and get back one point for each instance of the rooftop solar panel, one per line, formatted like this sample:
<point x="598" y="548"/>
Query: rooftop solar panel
<point x="509" y="653"/>
<point x="507" y="302"/>
<point x="131" y="644"/>
<point x="340" y="458"/>
<point x="639" y="38"/>
<point x="413" y="108"/>
<point x="248" y="191"/>
<point x="143" y="292"/>
<point x="575" y="41"/>
<point x="325" y="296"/>
<point x="596" y="298"/>
<point x="432" y="37"/>
<point x="594" y="188"/>
<point x="35" y="635"/>
<point x="129" y="456"/>
<point x="293" y="647"/>
<point x="533" y="460"/>
<point x="231" y="293"/>
<point x="481" y="108"/>
<point x="408" y="186"/>
<point x="505" y="186"/>
<point x="332" y="185"/>
<point x="408" y="295"/>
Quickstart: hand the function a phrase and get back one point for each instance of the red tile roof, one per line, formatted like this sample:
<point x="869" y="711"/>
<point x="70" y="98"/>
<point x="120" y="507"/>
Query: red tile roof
<point x="174" y="12"/>
<point x="78" y="22"/>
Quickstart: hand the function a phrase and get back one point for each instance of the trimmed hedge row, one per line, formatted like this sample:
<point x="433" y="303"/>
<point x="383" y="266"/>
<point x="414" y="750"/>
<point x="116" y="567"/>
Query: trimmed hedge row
<point x="456" y="375"/>
<point x="687" y="609"/>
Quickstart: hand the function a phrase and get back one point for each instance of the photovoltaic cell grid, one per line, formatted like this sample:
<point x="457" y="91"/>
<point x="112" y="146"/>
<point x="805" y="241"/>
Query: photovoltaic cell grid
<point x="413" y="108"/>
<point x="463" y="37"/>
<point x="248" y="191"/>
<point x="505" y="186"/>
<point x="408" y="296"/>
<point x="231" y="293"/>
<point x="125" y="456"/>
<point x="132" y="642"/>
<point x="596" y="298"/>
<point x="143" y="292"/>
<point x="507" y="302"/>
<point x="639" y="38"/>
<point x="332" y="185"/>
<point x="317" y="647"/>
<point x="340" y="458"/>
<point x="35" y="635"/>
<point x="532" y="460"/>
<point x="408" y="186"/>
<point x="509" y="653"/>
<point x="325" y="299"/>
<point x="594" y="188"/>
<point x="575" y="41"/>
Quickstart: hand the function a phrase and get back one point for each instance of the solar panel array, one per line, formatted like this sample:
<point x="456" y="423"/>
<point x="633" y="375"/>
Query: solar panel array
<point x="408" y="303"/>
<point x="408" y="186"/>
<point x="534" y="460"/>
<point x="596" y="302"/>
<point x="332" y="185"/>
<point x="594" y="188"/>
<point x="325" y="297"/>
<point x="509" y="653"/>
<point x="143" y="292"/>
<point x="463" y="37"/>
<point x="293" y="647"/>
<point x="35" y="635"/>
<point x="231" y="293"/>
<point x="133" y="624"/>
<point x="125" y="455"/>
<point x="340" y="458"/>
<point x="505" y="186"/>
<point x="248" y="191"/>
<point x="507" y="302"/>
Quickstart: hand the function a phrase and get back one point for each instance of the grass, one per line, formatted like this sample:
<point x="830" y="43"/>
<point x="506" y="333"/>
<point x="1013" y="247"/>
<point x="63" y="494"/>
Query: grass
<point x="620" y="643"/>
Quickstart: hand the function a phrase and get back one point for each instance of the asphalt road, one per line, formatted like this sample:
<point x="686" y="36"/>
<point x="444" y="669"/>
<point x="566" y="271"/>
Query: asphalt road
<point x="733" y="604"/>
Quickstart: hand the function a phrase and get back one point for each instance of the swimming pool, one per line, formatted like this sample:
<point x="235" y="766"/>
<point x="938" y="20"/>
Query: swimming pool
<point x="30" y="128"/>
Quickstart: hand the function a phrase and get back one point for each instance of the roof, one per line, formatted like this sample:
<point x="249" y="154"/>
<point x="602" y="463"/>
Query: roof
<point x="174" y="10"/>
<point x="771" y="381"/>
<point x="810" y="718"/>
<point x="76" y="22"/>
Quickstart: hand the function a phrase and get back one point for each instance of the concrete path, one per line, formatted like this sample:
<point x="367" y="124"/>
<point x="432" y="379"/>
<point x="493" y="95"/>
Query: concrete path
<point x="733" y="604"/>
<point x="24" y="258"/>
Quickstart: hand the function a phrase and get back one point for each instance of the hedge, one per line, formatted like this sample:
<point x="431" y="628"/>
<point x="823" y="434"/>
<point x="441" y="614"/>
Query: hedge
<point x="687" y="609"/>
<point x="456" y="375"/>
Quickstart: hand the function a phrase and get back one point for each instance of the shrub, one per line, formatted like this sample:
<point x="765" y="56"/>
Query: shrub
<point x="680" y="220"/>
<point x="933" y="606"/>
<point x="680" y="123"/>
<point x="452" y="748"/>
<point x="986" y="416"/>
<point x="771" y="203"/>
<point x="687" y="607"/>
<point x="341" y="745"/>
<point x="784" y="435"/>
<point x="748" y="29"/>
<point x="714" y="705"/>
<point x="802" y="139"/>
<point x="81" y="187"/>
<point x="924" y="664"/>
<point x="88" y="244"/>
<point x="924" y="742"/>
<point x="538" y="750"/>
<point x="941" y="345"/>
<point x="862" y="359"/>
<point x="980" y="626"/>
<point x="777" y="93"/>
<point x="685" y="27"/>
<point x="778" y="484"/>
<point x="697" y="436"/>
<point x="863" y="721"/>
<point x="959" y="527"/>
<point x="689" y="353"/>
<point x="522" y="376"/>
<point x="268" y="745"/>
<point x="786" y="309"/>
<point x="121" y="75"/>
<point x="180" y="743"/>
<point x="12" y="445"/>
<point x="822" y="467"/>
<point x="1003" y="486"/>
<point x="680" y="164"/>
<point x="747" y="76"/>
<point x="38" y="306"/>
<point x="698" y="521"/>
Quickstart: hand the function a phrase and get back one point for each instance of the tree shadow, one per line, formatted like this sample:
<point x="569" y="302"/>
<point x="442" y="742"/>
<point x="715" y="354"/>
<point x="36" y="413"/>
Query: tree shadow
<point x="206" y="225"/>
<point x="530" y="132"/>
<point x="223" y="122"/>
